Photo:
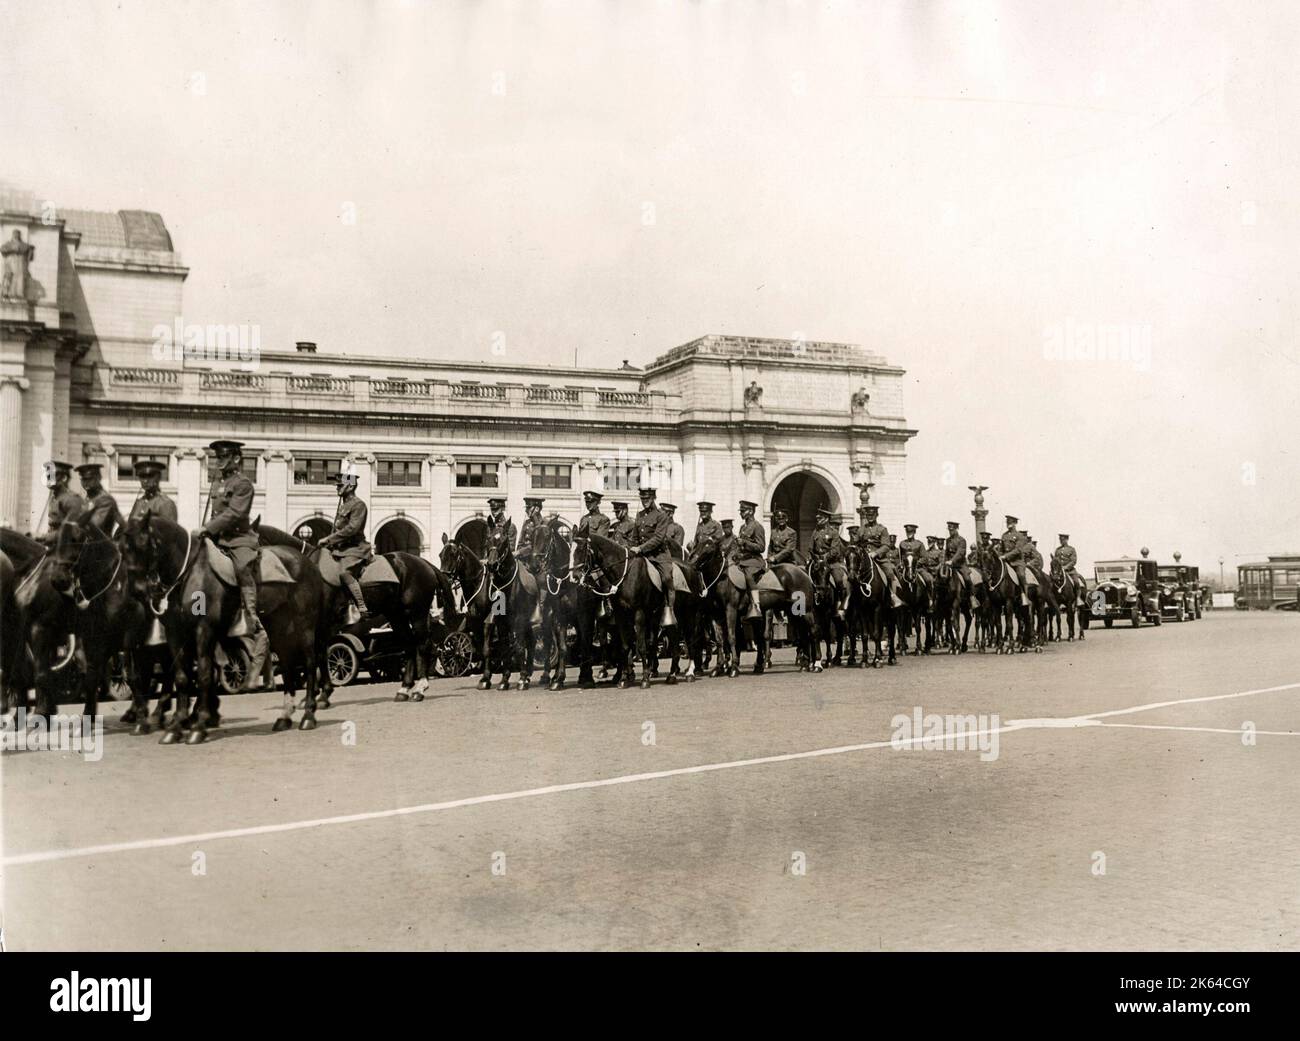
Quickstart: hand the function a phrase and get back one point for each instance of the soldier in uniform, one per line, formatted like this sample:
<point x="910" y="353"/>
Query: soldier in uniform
<point x="874" y="538"/>
<point x="347" y="542"/>
<point x="783" y="546"/>
<point x="101" y="508"/>
<point x="676" y="533"/>
<point x="706" y="526"/>
<point x="727" y="543"/>
<point x="1012" y="551"/>
<point x="1033" y="558"/>
<point x="650" y="540"/>
<point x="934" y="556"/>
<point x="1066" y="558"/>
<point x="622" y="528"/>
<point x="593" y="522"/>
<point x="231" y="502"/>
<point x="751" y="541"/>
<point x="64" y="503"/>
<point x="827" y="546"/>
<point x="498" y="518"/>
<point x="532" y="521"/>
<point x="152" y="502"/>
<point x="911" y="544"/>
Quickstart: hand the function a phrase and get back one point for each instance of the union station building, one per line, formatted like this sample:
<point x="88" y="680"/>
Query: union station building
<point x="790" y="424"/>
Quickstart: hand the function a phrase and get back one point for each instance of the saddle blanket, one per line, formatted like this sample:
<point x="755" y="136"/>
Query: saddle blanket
<point x="377" y="572"/>
<point x="272" y="567"/>
<point x="679" y="579"/>
<point x="768" y="581"/>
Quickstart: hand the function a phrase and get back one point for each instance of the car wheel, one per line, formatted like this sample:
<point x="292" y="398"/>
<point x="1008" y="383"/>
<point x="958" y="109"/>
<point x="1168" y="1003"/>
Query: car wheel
<point x="231" y="670"/>
<point x="342" y="661"/>
<point x="1182" y="615"/>
<point x="1136" y="618"/>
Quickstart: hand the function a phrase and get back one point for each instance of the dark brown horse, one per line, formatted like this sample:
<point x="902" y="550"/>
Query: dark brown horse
<point x="950" y="607"/>
<point x="566" y="603"/>
<point x="40" y="643"/>
<point x="637" y="603"/>
<point x="1070" y="591"/>
<point x="871" y="610"/>
<point x="200" y="609"/>
<point x="916" y="591"/>
<point x="833" y="592"/>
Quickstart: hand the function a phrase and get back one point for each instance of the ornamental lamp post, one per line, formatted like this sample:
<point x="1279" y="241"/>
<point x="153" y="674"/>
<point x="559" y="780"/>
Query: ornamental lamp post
<point x="979" y="513"/>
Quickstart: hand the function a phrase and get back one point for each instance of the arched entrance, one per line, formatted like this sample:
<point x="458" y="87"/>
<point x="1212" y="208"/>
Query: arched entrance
<point x="313" y="529"/>
<point x="398" y="536"/>
<point x="801" y="494"/>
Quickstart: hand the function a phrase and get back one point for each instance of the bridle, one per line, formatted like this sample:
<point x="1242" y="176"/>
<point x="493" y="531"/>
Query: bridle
<point x="722" y="566"/>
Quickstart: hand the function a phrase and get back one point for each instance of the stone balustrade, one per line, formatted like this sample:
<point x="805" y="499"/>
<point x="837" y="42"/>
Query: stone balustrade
<point x="146" y="377"/>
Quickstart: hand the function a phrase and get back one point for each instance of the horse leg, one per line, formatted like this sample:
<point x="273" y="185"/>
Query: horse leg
<point x="525" y="638"/>
<point x="204" y="641"/>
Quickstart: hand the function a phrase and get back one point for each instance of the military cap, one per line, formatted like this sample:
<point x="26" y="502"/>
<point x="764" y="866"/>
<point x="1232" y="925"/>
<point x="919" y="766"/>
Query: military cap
<point x="87" y="469"/>
<point x="705" y="502"/>
<point x="727" y="522"/>
<point x="852" y="528"/>
<point x="822" y="511"/>
<point x="751" y="505"/>
<point x="533" y="500"/>
<point x="148" y="468"/>
<point x="1012" y="520"/>
<point x="780" y="511"/>
<point x="224" y="446"/>
<point x="591" y="496"/>
<point x="667" y="506"/>
<point x="495" y="499"/>
<point x="954" y="524"/>
<point x="869" y="509"/>
<point x="618" y="503"/>
<point x="643" y="492"/>
<point x="58" y="467"/>
<point x="909" y="527"/>
<point x="1062" y="535"/>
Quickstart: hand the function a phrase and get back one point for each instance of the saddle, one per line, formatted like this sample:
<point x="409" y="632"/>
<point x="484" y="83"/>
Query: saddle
<point x="377" y="572"/>
<point x="272" y="567"/>
<point x="679" y="579"/>
<point x="767" y="580"/>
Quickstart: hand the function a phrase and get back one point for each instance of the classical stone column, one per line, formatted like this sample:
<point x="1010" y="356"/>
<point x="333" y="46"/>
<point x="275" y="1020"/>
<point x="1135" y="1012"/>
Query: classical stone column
<point x="979" y="513"/>
<point x="62" y="400"/>
<point x="754" y="484"/>
<point x="516" y="485"/>
<point x="441" y="466"/>
<point x="590" y="476"/>
<point x="191" y="464"/>
<point x="11" y="445"/>
<point x="38" y="427"/>
<point x="363" y="464"/>
<point x="278" y="467"/>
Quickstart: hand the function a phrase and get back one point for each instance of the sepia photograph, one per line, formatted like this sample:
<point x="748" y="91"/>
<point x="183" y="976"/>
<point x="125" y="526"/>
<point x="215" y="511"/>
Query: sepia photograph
<point x="650" y="476"/>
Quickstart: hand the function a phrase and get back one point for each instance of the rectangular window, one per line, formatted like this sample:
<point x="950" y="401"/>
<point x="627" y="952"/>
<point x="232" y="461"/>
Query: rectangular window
<point x="622" y="477"/>
<point x="248" y="466"/>
<point x="315" y="469"/>
<point x="476" y="475"/>
<point x="127" y="459"/>
<point x="552" y="475"/>
<point x="398" y="473"/>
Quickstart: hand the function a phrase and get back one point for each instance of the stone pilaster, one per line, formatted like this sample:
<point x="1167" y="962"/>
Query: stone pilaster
<point x="363" y="465"/>
<point x="11" y="445"/>
<point x="278" y="468"/>
<point x="516" y="484"/>
<point x="38" y="428"/>
<point x="440" y="484"/>
<point x="191" y="466"/>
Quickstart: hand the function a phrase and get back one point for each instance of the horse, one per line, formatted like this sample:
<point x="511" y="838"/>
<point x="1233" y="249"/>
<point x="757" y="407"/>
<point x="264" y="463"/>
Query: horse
<point x="870" y="609"/>
<point x="1069" y="592"/>
<point x="636" y="601"/>
<point x="1004" y="609"/>
<point x="39" y="603"/>
<point x="832" y="592"/>
<point x="706" y="557"/>
<point x="564" y="601"/>
<point x="199" y="609"/>
<point x="949" y="606"/>
<point x="914" y="591"/>
<point x="405" y="605"/>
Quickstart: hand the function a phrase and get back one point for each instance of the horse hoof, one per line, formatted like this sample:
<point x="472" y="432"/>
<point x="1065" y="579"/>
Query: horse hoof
<point x="170" y="737"/>
<point x="524" y="684"/>
<point x="196" y="736"/>
<point x="483" y="684"/>
<point x="417" y="696"/>
<point x="818" y="668"/>
<point x="545" y="681"/>
<point x="690" y="677"/>
<point x="645" y="683"/>
<point x="401" y="695"/>
<point x="552" y="685"/>
<point x="307" y="723"/>
<point x="671" y="681"/>
<point x="129" y="716"/>
<point x="140" y="729"/>
<point x="283" y="723"/>
<point x="622" y="684"/>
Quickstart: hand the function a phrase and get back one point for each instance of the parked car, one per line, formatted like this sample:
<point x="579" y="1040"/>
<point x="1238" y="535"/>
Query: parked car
<point x="1126" y="589"/>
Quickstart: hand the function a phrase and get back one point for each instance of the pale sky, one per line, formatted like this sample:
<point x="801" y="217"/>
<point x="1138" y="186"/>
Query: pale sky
<point x="946" y="183"/>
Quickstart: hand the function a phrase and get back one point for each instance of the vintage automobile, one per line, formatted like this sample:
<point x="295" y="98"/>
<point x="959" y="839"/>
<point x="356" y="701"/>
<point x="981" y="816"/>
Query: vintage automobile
<point x="1180" y="599"/>
<point x="1127" y="589"/>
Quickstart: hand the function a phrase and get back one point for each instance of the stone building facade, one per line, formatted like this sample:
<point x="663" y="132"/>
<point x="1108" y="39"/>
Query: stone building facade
<point x="87" y="374"/>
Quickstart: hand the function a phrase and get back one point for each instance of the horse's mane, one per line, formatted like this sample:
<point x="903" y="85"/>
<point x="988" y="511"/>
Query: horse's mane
<point x="19" y="546"/>
<point x="270" y="536"/>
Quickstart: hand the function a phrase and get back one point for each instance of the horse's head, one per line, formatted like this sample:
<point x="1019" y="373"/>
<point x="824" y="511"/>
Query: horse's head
<point x="500" y="554"/>
<point x="704" y="552"/>
<point x="909" y="566"/>
<point x="552" y="542"/>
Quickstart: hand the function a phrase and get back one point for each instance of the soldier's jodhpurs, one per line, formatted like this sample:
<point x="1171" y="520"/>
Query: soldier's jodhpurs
<point x="249" y="581"/>
<point x="354" y="588"/>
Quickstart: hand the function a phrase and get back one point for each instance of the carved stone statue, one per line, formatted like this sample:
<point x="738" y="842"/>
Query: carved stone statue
<point x="753" y="395"/>
<point x="17" y="255"/>
<point x="858" y="403"/>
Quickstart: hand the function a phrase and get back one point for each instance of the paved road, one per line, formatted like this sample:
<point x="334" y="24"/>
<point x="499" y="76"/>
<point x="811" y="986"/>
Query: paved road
<point x="859" y="847"/>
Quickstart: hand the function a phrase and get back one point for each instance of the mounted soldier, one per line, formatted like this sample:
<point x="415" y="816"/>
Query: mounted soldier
<point x="751" y="541"/>
<point x="706" y="526"/>
<point x="956" y="556"/>
<point x="347" y="542"/>
<point x="497" y="517"/>
<point x="873" y="537"/>
<point x="1067" y="558"/>
<point x="621" y="531"/>
<point x="64" y="503"/>
<point x="593" y="522"/>
<point x="727" y="541"/>
<point x="911" y="544"/>
<point x="650" y="540"/>
<point x="101" y="508"/>
<point x="827" y="547"/>
<point x="676" y="533"/>
<point x="783" y="546"/>
<point x="532" y="521"/>
<point x="230" y="501"/>
<point x="1012" y="550"/>
<point x="152" y="502"/>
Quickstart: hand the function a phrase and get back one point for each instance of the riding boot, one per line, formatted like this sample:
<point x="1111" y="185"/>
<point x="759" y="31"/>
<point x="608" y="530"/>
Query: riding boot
<point x="357" y="610"/>
<point x="893" y="593"/>
<point x="261" y="644"/>
<point x="755" y="608"/>
<point x="669" y="616"/>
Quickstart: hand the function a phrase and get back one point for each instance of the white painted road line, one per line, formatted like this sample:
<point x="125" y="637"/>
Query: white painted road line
<point x="46" y="856"/>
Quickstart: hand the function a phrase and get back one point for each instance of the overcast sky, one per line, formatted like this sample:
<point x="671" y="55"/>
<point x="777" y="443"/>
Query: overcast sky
<point x="968" y="188"/>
